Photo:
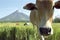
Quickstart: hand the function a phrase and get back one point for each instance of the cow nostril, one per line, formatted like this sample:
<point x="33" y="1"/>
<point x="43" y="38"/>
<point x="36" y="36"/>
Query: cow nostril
<point x="45" y="31"/>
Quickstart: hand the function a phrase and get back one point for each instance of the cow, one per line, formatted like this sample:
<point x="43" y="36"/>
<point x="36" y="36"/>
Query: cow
<point x="42" y="15"/>
<point x="26" y="24"/>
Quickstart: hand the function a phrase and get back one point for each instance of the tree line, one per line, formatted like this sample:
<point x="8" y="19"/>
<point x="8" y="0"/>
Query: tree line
<point x="56" y="20"/>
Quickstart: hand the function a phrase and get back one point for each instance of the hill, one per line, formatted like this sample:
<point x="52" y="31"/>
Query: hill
<point x="16" y="16"/>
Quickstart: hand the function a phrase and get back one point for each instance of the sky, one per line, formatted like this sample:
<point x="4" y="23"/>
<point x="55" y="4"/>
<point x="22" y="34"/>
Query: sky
<point x="9" y="6"/>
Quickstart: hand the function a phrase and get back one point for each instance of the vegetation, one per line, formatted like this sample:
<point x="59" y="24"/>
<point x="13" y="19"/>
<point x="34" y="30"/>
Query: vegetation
<point x="17" y="31"/>
<point x="56" y="20"/>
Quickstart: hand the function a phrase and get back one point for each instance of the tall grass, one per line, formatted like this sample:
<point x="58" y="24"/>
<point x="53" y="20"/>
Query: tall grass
<point x="12" y="31"/>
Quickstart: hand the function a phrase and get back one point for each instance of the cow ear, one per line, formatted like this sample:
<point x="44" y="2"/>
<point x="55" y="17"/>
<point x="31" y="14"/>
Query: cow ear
<point x="30" y="6"/>
<point x="57" y="5"/>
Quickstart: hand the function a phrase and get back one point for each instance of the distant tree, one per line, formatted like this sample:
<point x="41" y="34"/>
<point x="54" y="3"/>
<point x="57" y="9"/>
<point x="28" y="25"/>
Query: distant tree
<point x="56" y="20"/>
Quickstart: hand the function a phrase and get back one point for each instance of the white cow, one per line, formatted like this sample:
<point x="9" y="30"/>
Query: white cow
<point x="41" y="15"/>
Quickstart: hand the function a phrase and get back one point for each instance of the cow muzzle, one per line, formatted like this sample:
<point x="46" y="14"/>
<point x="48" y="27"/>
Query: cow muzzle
<point x="45" y="31"/>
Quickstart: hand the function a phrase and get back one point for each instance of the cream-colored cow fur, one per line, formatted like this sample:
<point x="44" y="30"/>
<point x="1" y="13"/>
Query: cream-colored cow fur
<point x="43" y="16"/>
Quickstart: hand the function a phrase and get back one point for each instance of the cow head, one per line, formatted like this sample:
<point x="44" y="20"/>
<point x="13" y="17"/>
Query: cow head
<point x="44" y="15"/>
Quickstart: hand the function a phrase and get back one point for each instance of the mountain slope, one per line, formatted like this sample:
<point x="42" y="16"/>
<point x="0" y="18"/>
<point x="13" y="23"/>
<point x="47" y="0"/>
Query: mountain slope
<point x="16" y="16"/>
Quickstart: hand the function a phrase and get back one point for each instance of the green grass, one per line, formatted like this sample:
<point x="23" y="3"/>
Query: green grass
<point x="17" y="31"/>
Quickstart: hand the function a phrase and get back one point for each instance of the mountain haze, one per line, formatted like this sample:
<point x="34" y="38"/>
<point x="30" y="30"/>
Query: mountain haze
<point x="16" y="16"/>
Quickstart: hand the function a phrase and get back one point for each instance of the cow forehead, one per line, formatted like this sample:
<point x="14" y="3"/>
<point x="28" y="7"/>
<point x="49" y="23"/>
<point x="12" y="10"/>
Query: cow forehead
<point x="45" y="7"/>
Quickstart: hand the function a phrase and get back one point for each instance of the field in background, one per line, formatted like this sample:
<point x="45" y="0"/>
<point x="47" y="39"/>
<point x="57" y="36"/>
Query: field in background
<point x="17" y="31"/>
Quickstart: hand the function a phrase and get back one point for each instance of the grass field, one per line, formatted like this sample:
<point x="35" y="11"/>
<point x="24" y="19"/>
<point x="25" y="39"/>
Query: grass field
<point x="25" y="32"/>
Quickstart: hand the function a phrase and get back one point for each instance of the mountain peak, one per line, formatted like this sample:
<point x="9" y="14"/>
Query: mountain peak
<point x="17" y="11"/>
